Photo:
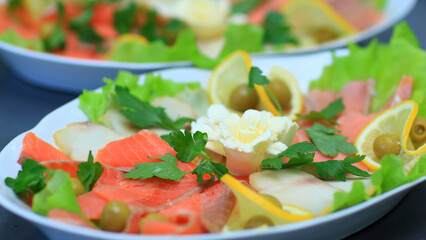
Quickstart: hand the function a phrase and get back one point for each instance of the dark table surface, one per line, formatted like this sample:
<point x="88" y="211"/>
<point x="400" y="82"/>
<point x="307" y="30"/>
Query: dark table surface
<point x="22" y="106"/>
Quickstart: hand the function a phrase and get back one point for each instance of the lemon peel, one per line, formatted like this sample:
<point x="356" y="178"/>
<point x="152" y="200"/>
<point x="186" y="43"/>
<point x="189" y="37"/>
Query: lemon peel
<point x="396" y="120"/>
<point x="254" y="204"/>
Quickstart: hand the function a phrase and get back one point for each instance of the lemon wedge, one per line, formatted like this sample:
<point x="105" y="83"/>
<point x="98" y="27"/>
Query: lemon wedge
<point x="389" y="133"/>
<point x="125" y="44"/>
<point x="252" y="205"/>
<point x="233" y="72"/>
<point x="314" y="22"/>
<point x="37" y="8"/>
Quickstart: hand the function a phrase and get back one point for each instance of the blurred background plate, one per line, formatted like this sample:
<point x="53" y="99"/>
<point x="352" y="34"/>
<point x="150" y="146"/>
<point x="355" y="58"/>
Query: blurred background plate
<point x="73" y="75"/>
<point x="394" y="11"/>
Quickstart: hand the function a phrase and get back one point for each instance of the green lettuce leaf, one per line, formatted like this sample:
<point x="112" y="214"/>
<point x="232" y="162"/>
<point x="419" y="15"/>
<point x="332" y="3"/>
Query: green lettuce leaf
<point x="184" y="49"/>
<point x="379" y="4"/>
<point x="386" y="63"/>
<point x="235" y="39"/>
<point x="391" y="174"/>
<point x="58" y="193"/>
<point x="94" y="104"/>
<point x="11" y="37"/>
<point x="347" y="199"/>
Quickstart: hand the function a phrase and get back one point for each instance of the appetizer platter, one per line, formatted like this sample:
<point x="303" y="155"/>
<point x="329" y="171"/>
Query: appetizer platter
<point x="189" y="151"/>
<point x="36" y="38"/>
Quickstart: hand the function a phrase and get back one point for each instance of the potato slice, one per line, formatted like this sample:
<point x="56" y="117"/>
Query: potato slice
<point x="174" y="107"/>
<point x="197" y="99"/>
<point x="295" y="187"/>
<point x="77" y="139"/>
<point x="116" y="121"/>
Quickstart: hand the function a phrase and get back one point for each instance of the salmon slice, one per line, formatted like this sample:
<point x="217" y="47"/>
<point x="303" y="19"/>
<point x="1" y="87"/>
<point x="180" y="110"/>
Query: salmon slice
<point x="68" y="217"/>
<point x="194" y="214"/>
<point x="257" y="16"/>
<point x="402" y="93"/>
<point x="39" y="150"/>
<point x="361" y="14"/>
<point x="317" y="100"/>
<point x="351" y="124"/>
<point x="133" y="150"/>
<point x="91" y="205"/>
<point x="68" y="166"/>
<point x="103" y="20"/>
<point x="132" y="225"/>
<point x="356" y="95"/>
<point x="153" y="193"/>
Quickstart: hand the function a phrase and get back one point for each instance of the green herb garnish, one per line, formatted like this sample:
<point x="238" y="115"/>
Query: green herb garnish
<point x="31" y="179"/>
<point x="245" y="6"/>
<point x="327" y="113"/>
<point x="256" y="77"/>
<point x="329" y="143"/>
<point x="188" y="147"/>
<point x="56" y="40"/>
<point x="124" y="19"/>
<point x="89" y="172"/>
<point x="276" y="30"/>
<point x="81" y="25"/>
<point x="143" y="114"/>
<point x="302" y="154"/>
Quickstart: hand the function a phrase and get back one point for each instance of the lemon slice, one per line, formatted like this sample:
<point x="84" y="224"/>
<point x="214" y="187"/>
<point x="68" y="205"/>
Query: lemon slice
<point x="251" y="204"/>
<point x="125" y="44"/>
<point x="38" y="8"/>
<point x="290" y="81"/>
<point x="315" y="21"/>
<point x="231" y="73"/>
<point x="397" y="121"/>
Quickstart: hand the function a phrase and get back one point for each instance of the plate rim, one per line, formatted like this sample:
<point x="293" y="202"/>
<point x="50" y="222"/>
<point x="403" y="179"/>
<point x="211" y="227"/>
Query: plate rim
<point x="26" y="213"/>
<point x="363" y="35"/>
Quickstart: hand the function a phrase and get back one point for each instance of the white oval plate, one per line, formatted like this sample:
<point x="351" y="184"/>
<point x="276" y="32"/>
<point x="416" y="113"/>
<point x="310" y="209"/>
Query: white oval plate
<point x="74" y="75"/>
<point x="333" y="226"/>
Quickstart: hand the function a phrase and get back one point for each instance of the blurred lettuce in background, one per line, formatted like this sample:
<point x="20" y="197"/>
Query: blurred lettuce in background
<point x="386" y="63"/>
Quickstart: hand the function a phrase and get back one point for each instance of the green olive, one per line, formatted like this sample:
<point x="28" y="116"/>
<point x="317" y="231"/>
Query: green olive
<point x="386" y="144"/>
<point x="272" y="199"/>
<point x="281" y="92"/>
<point x="151" y="216"/>
<point x="77" y="187"/>
<point x="114" y="216"/>
<point x="46" y="30"/>
<point x="418" y="130"/>
<point x="258" y="221"/>
<point x="243" y="98"/>
<point x="324" y="34"/>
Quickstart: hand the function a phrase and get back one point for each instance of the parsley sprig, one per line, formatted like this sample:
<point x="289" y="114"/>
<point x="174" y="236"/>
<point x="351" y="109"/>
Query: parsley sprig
<point x="124" y="19"/>
<point x="328" y="142"/>
<point x="256" y="77"/>
<point x="188" y="146"/>
<point x="81" y="26"/>
<point x="246" y="6"/>
<point x="327" y="114"/>
<point x="89" y="172"/>
<point x="143" y="114"/>
<point x="276" y="29"/>
<point x="302" y="154"/>
<point x="30" y="180"/>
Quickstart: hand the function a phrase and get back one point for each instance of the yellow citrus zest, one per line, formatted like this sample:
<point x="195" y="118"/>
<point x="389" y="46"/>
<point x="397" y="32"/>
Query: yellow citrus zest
<point x="396" y="120"/>
<point x="259" y="205"/>
<point x="264" y="98"/>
